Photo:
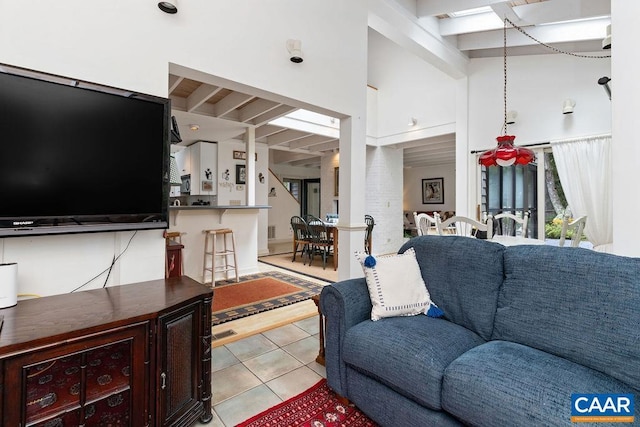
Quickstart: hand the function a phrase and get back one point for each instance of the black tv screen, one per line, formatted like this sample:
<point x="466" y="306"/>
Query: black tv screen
<point x="79" y="157"/>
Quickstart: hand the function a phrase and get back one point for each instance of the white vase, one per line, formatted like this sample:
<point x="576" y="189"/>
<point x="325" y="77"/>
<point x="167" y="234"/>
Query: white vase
<point x="8" y="284"/>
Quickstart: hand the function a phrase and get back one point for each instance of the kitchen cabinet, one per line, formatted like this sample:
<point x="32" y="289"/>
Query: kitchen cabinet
<point x="133" y="355"/>
<point x="183" y="159"/>
<point x="204" y="166"/>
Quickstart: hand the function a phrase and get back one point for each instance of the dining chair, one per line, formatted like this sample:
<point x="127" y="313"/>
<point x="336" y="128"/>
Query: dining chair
<point x="424" y="223"/>
<point x="320" y="241"/>
<point x="506" y="224"/>
<point x="463" y="226"/>
<point x="300" y="237"/>
<point x="368" y="234"/>
<point x="573" y="230"/>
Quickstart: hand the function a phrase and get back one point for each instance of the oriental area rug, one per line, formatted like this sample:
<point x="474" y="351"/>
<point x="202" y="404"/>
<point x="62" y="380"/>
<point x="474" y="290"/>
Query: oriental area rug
<point x="315" y="407"/>
<point x="256" y="293"/>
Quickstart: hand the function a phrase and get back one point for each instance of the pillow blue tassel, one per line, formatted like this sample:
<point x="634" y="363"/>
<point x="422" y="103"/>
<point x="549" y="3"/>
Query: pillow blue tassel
<point x="434" y="311"/>
<point x="370" y="261"/>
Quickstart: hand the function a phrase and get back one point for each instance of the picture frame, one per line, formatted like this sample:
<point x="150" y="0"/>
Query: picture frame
<point x="433" y="191"/>
<point x="336" y="176"/>
<point x="241" y="174"/>
<point x="207" y="185"/>
<point x="242" y="155"/>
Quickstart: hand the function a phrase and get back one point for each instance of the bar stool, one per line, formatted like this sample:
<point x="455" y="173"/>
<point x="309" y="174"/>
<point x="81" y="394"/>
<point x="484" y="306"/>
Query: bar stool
<point x="212" y="252"/>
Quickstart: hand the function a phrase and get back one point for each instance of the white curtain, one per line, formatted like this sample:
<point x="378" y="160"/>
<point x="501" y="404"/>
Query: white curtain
<point x="584" y="168"/>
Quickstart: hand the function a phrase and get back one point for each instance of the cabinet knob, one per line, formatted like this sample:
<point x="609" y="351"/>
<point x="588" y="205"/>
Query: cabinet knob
<point x="163" y="376"/>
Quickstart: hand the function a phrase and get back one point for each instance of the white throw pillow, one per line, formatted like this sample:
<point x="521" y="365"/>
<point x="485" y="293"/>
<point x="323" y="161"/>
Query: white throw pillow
<point x="395" y="284"/>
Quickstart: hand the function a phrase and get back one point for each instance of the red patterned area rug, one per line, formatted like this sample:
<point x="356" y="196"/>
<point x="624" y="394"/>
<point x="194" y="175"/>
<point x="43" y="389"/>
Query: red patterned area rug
<point x="316" y="407"/>
<point x="256" y="293"/>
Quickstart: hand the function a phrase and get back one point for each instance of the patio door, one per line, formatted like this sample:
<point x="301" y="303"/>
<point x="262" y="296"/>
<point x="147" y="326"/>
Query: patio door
<point x="512" y="189"/>
<point x="310" y="203"/>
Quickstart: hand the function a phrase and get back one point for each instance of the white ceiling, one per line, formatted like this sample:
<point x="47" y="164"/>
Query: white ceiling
<point x="223" y="113"/>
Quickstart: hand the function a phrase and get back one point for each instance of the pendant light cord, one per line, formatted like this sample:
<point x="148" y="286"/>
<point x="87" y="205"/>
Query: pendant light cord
<point x="504" y="56"/>
<point x="555" y="49"/>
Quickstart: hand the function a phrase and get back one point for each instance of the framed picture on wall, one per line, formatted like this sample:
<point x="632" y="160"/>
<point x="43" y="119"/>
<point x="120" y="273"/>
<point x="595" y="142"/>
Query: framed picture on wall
<point x="241" y="174"/>
<point x="336" y="176"/>
<point x="433" y="191"/>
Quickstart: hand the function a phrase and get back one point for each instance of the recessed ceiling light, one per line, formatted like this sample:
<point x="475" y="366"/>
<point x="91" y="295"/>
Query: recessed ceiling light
<point x="194" y="127"/>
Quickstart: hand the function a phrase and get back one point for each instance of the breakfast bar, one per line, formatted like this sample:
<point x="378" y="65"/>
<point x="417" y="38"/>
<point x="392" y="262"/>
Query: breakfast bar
<point x="192" y="220"/>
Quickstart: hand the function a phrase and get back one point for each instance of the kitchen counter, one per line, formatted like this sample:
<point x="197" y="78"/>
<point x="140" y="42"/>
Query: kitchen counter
<point x="178" y="208"/>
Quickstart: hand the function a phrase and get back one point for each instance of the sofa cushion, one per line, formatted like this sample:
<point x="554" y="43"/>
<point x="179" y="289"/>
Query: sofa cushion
<point x="575" y="303"/>
<point x="501" y="383"/>
<point x="463" y="276"/>
<point x="395" y="284"/>
<point x="408" y="354"/>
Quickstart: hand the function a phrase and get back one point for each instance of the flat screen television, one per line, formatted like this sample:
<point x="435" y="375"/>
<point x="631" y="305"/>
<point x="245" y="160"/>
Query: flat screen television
<point x="80" y="157"/>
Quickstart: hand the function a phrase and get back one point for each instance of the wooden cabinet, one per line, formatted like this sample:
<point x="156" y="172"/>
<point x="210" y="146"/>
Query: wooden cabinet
<point x="133" y="355"/>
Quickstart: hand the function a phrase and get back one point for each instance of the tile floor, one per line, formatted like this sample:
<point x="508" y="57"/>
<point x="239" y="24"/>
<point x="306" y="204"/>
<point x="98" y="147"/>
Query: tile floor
<point x="258" y="372"/>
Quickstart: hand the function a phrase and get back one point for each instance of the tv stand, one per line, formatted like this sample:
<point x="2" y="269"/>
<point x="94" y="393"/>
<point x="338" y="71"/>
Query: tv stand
<point x="132" y="355"/>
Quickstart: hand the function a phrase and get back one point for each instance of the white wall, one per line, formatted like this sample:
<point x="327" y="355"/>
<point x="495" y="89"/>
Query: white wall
<point x="537" y="87"/>
<point x="283" y="207"/>
<point x="328" y="199"/>
<point x="383" y="186"/>
<point x="129" y="44"/>
<point x="412" y="198"/>
<point x="407" y="87"/>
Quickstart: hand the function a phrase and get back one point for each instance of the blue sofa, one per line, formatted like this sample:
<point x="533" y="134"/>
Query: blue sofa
<point x="525" y="327"/>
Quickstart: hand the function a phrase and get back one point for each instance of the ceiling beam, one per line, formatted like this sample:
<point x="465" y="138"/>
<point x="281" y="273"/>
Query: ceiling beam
<point x="201" y="95"/>
<point x="309" y="141"/>
<point x="267" y="130"/>
<point x="230" y="103"/>
<point x="285" y="136"/>
<point x="553" y="33"/>
<point x="331" y="145"/>
<point x="265" y="118"/>
<point x="443" y="7"/>
<point x="256" y="108"/>
<point x="174" y="82"/>
<point x="403" y="28"/>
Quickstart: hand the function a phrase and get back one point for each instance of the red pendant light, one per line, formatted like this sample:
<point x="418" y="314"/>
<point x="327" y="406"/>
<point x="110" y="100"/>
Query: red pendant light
<point x="506" y="154"/>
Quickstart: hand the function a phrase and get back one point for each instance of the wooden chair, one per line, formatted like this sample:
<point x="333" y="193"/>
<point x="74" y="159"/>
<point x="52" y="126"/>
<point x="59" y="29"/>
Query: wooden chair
<point x="300" y="237"/>
<point x="319" y="241"/>
<point x="576" y="227"/>
<point x="506" y="224"/>
<point x="463" y="226"/>
<point x="368" y="234"/>
<point x="424" y="223"/>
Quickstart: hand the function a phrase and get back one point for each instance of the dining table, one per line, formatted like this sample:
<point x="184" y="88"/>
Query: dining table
<point x="332" y="232"/>
<point x="515" y="240"/>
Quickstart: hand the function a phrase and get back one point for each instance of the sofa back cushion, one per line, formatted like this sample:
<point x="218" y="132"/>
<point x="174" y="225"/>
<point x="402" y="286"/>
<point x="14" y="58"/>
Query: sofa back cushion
<point x="463" y="276"/>
<point x="575" y="303"/>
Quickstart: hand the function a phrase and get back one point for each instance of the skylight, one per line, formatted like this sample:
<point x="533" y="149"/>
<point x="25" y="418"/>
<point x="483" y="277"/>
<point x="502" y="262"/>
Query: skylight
<point x="468" y="12"/>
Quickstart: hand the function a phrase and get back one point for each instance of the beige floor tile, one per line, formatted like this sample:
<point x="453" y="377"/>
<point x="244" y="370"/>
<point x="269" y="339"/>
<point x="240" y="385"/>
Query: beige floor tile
<point x="273" y="364"/>
<point x="246" y="405"/>
<point x="232" y="381"/>
<point x="285" y="335"/>
<point x="310" y="325"/>
<point x="222" y="358"/>
<point x="294" y="383"/>
<point x="305" y="350"/>
<point x="251" y="347"/>
<point x="318" y="368"/>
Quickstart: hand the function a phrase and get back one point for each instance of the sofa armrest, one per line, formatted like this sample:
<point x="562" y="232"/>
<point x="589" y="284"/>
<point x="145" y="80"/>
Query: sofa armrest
<point x="344" y="304"/>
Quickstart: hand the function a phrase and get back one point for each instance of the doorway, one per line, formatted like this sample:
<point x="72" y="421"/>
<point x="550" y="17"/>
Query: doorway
<point x="310" y="202"/>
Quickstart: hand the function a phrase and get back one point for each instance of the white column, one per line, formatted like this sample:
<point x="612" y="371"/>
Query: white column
<point x="625" y="104"/>
<point x="250" y="148"/>
<point x="351" y="225"/>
